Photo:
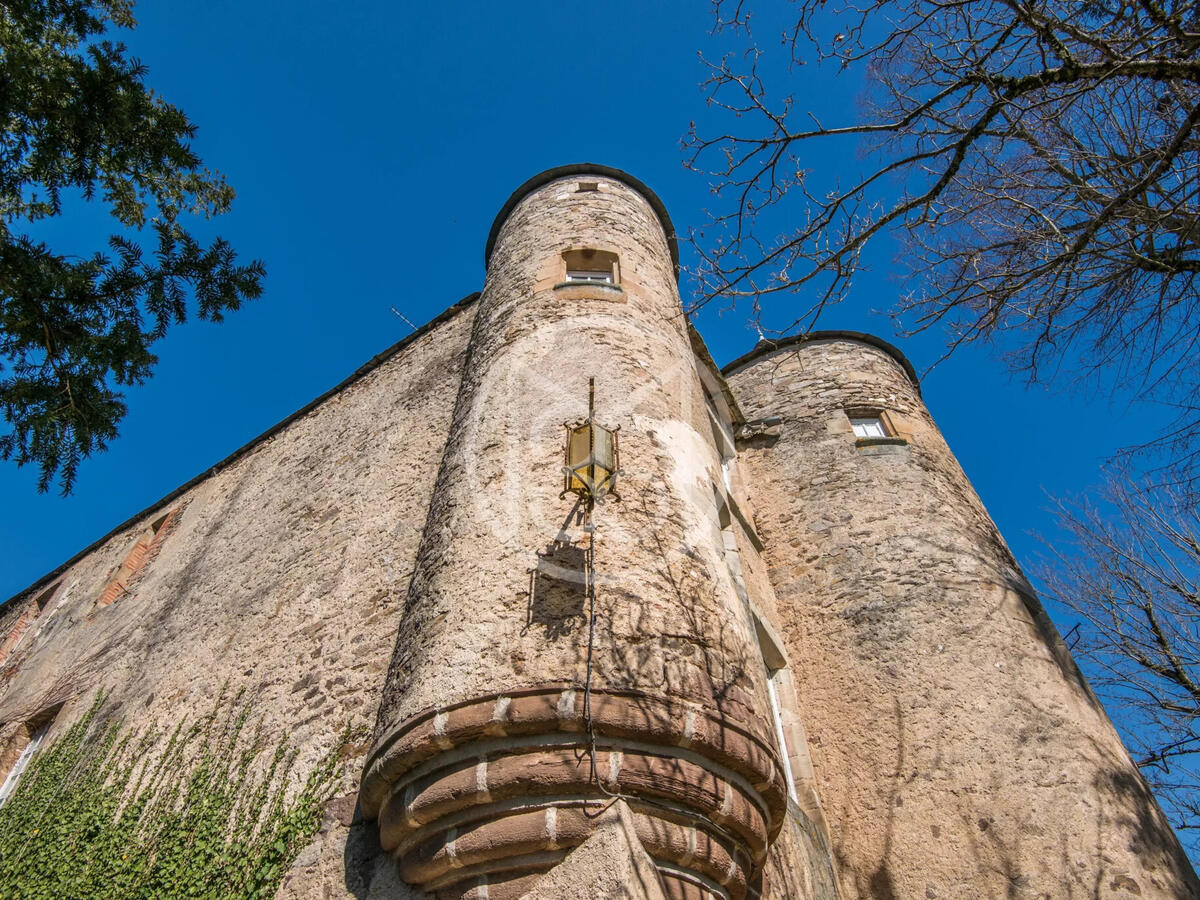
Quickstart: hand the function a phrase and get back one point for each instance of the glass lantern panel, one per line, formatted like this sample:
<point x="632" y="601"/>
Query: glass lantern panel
<point x="577" y="455"/>
<point x="602" y="455"/>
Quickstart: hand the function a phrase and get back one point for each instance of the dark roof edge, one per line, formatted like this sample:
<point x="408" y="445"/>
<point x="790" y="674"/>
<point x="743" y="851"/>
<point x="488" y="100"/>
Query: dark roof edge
<point x="544" y="178"/>
<point x="370" y="365"/>
<point x="765" y="346"/>
<point x="705" y="358"/>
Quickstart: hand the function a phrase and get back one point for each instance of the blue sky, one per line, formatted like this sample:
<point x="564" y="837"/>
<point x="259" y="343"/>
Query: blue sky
<point x="372" y="144"/>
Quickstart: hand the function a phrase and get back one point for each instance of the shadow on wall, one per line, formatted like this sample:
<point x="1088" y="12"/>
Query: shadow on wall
<point x="630" y="650"/>
<point x="661" y="634"/>
<point x="696" y="656"/>
<point x="558" y="589"/>
<point x="881" y="884"/>
<point x="369" y="873"/>
<point x="985" y="559"/>
<point x="361" y="856"/>
<point x="1126" y="807"/>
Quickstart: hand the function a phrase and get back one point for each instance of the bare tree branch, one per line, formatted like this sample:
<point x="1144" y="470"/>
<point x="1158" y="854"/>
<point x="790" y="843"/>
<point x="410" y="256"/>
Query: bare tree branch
<point x="1131" y="571"/>
<point x="1039" y="160"/>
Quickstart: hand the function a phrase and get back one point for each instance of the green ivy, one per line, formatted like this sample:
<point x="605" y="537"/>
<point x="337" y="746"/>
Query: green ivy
<point x="204" y="812"/>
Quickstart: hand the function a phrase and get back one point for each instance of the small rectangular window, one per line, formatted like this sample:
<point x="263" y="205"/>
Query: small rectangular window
<point x="773" y="676"/>
<point x="868" y="426"/>
<point x="587" y="265"/>
<point x="22" y="761"/>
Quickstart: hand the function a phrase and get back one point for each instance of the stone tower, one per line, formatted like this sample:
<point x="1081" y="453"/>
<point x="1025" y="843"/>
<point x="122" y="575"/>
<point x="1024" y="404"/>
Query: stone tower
<point x="501" y="734"/>
<point x="923" y="657"/>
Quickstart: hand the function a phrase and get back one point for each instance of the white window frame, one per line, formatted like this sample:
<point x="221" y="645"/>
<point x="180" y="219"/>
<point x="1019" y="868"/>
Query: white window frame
<point x="22" y="763"/>
<point x="727" y="473"/>
<point x="868" y="426"/>
<point x="775" y="663"/>
<point x="780" y="735"/>
<point x="582" y="276"/>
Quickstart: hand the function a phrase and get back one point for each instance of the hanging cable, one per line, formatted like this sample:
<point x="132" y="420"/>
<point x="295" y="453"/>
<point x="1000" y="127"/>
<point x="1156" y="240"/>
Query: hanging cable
<point x="590" y="590"/>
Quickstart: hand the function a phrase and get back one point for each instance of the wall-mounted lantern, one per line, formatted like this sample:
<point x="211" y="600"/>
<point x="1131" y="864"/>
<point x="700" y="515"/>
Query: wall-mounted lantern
<point x="592" y="458"/>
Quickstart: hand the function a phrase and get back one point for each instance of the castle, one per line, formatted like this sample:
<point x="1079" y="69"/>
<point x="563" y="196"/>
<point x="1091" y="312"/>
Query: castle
<point x="777" y="648"/>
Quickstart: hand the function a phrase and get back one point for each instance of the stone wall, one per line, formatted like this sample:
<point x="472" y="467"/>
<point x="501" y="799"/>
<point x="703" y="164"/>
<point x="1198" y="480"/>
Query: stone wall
<point x="283" y="574"/>
<point x="958" y="752"/>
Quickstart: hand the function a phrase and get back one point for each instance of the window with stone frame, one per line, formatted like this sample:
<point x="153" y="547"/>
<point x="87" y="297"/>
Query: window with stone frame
<point x="34" y="607"/>
<point x="21" y="747"/>
<point x="867" y="426"/>
<point x="722" y="431"/>
<point x="872" y="424"/>
<point x="778" y="685"/>
<point x="589" y="266"/>
<point x="148" y="544"/>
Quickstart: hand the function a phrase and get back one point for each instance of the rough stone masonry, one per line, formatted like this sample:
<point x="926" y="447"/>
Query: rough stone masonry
<point x="795" y="659"/>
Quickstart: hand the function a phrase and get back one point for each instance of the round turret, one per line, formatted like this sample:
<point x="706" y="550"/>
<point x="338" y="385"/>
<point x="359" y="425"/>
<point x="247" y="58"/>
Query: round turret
<point x="518" y="704"/>
<point x="958" y="750"/>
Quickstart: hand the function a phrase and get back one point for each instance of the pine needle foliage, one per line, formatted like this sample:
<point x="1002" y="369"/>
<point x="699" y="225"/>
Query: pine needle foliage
<point x="107" y="813"/>
<point x="81" y="128"/>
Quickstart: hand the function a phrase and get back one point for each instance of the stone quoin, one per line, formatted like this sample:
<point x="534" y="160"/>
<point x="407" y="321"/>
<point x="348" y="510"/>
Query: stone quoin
<point x="790" y="656"/>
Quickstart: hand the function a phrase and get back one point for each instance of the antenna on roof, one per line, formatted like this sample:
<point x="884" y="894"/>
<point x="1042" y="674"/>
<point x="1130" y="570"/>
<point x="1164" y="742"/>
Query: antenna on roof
<point x="403" y="318"/>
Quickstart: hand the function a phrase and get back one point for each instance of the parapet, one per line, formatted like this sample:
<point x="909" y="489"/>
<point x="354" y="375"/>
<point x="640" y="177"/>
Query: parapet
<point x="764" y="347"/>
<point x="544" y="178"/>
